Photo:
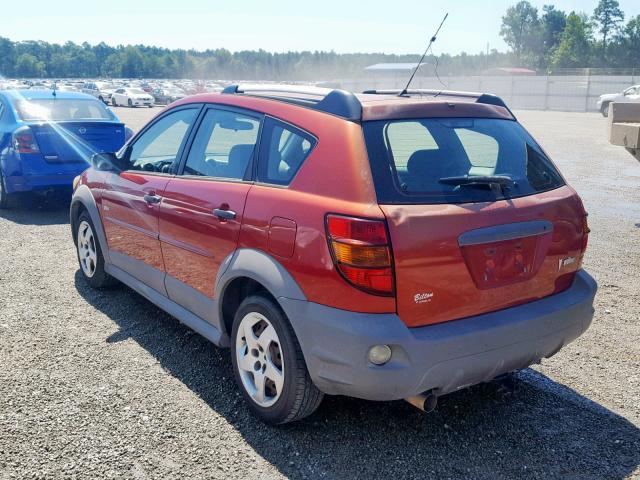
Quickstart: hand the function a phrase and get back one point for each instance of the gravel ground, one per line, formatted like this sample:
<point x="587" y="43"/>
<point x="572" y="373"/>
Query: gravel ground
<point x="105" y="385"/>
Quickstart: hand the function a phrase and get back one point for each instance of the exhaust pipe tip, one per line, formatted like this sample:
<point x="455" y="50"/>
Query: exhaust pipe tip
<point x="426" y="402"/>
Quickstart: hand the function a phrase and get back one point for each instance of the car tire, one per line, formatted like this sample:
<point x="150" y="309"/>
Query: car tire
<point x="113" y="102"/>
<point x="604" y="109"/>
<point x="5" y="197"/>
<point x="89" y="253"/>
<point x="272" y="350"/>
<point x="130" y="103"/>
<point x="101" y="99"/>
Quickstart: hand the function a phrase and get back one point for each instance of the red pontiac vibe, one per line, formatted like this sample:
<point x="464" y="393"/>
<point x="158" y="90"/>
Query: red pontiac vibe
<point x="377" y="245"/>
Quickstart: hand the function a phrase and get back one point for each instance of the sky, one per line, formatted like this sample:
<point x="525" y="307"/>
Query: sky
<point x="343" y="26"/>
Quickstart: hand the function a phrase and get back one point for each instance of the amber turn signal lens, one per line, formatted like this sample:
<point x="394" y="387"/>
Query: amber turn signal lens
<point x="360" y="256"/>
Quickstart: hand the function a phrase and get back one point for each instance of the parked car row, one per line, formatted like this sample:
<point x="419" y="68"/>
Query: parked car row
<point x="131" y="93"/>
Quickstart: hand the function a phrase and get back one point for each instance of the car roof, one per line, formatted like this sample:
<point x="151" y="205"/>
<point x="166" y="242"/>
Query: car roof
<point x="373" y="104"/>
<point x="46" y="94"/>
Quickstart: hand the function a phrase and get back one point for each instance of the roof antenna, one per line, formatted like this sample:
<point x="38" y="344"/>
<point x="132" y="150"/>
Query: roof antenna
<point x="433" y="39"/>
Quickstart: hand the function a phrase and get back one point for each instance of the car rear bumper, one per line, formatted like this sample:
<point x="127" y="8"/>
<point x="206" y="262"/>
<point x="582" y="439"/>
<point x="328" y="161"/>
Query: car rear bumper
<point x="30" y="183"/>
<point x="444" y="357"/>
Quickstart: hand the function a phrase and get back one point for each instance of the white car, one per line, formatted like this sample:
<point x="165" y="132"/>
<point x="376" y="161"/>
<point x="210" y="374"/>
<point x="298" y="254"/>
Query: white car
<point x="133" y="97"/>
<point x="631" y="94"/>
<point x="101" y="90"/>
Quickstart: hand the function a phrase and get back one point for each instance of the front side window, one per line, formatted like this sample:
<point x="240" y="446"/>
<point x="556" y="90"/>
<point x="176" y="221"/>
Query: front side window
<point x="158" y="147"/>
<point x="431" y="160"/>
<point x="283" y="150"/>
<point x="223" y="146"/>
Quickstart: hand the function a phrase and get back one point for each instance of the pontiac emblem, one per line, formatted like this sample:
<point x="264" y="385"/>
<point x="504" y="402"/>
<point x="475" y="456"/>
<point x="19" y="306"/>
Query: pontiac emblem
<point x="82" y="130"/>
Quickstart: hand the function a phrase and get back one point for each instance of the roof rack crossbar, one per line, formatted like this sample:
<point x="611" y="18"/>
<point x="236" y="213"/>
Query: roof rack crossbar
<point x="485" y="98"/>
<point x="336" y="102"/>
<point x="423" y="91"/>
<point x="294" y="89"/>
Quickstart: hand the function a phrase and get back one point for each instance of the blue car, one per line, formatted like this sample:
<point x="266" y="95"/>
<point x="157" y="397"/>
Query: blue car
<point x="47" y="138"/>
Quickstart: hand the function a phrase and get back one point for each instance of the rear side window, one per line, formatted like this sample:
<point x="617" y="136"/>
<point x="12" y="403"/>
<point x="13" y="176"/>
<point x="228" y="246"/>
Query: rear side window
<point x="413" y="161"/>
<point x="283" y="150"/>
<point x="223" y="146"/>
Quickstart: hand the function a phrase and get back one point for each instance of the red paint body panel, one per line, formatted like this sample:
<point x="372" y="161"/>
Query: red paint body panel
<point x="194" y="241"/>
<point x="282" y="237"/>
<point x="430" y="261"/>
<point x="130" y="223"/>
<point x="311" y="264"/>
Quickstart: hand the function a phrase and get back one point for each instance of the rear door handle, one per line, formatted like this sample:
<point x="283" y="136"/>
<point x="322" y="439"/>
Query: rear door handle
<point x="150" y="199"/>
<point x="224" y="214"/>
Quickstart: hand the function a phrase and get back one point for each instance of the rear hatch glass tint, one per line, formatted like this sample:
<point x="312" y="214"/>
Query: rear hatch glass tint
<point x="456" y="160"/>
<point x="63" y="109"/>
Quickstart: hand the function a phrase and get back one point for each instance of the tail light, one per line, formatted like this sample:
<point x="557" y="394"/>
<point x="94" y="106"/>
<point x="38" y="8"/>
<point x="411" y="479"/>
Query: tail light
<point x="24" y="141"/>
<point x="361" y="252"/>
<point x="585" y="232"/>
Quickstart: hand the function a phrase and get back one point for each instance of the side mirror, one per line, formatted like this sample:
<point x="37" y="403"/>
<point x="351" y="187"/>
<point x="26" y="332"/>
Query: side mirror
<point x="109" y="162"/>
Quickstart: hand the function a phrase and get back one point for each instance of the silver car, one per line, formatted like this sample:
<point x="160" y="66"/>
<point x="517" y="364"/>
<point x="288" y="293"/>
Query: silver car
<point x="101" y="90"/>
<point x="631" y="94"/>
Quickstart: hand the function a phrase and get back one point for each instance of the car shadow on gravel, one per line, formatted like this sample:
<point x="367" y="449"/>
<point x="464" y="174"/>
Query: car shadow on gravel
<point x="29" y="209"/>
<point x="542" y="430"/>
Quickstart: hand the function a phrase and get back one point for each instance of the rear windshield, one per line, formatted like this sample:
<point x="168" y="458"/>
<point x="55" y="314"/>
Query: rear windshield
<point x="63" y="109"/>
<point x="427" y="160"/>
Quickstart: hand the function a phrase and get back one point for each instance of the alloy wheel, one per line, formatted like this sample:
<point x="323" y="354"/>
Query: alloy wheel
<point x="87" y="249"/>
<point x="259" y="359"/>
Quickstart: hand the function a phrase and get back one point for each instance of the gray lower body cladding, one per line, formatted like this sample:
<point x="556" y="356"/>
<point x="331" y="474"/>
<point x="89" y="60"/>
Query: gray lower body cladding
<point x="443" y="357"/>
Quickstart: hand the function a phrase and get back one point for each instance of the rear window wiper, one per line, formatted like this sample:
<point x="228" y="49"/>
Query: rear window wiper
<point x="462" y="180"/>
<point x="499" y="184"/>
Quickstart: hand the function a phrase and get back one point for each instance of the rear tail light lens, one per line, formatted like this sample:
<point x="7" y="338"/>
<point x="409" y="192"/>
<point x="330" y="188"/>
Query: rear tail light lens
<point x="361" y="252"/>
<point x="585" y="227"/>
<point x="24" y="141"/>
<point x="585" y="232"/>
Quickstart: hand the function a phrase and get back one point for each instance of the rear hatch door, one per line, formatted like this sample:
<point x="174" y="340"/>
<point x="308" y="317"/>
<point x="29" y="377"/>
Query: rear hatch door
<point x="464" y="260"/>
<point x="463" y="247"/>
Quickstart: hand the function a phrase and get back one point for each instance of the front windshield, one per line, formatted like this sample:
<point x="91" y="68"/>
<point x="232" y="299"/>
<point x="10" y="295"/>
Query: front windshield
<point x="63" y="109"/>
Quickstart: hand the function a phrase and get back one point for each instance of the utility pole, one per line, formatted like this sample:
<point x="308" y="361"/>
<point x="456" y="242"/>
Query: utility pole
<point x="487" y="58"/>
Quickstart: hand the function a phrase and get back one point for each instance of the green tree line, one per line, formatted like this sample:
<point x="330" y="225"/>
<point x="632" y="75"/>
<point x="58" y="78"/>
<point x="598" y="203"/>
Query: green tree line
<point x="552" y="38"/>
<point x="38" y="59"/>
<point x="543" y="40"/>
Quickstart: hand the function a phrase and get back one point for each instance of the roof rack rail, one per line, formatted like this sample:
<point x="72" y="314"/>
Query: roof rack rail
<point x="486" y="98"/>
<point x="336" y="102"/>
